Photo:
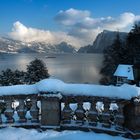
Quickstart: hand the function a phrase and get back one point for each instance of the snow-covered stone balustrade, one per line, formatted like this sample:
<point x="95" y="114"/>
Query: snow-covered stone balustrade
<point x="19" y="110"/>
<point x="93" y="113"/>
<point x="54" y="104"/>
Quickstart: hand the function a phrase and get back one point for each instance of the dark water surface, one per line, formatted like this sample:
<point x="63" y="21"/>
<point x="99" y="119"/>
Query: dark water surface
<point x="74" y="68"/>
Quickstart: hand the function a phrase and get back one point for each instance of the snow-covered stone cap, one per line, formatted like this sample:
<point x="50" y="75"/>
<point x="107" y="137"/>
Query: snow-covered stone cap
<point x="125" y="71"/>
<point x="57" y="86"/>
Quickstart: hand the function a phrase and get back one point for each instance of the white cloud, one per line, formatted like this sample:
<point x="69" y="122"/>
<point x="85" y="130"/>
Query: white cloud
<point x="121" y="22"/>
<point x="81" y="29"/>
<point x="28" y="34"/>
<point x="71" y="16"/>
<point x="83" y="19"/>
<point x="87" y="27"/>
<point x="21" y="32"/>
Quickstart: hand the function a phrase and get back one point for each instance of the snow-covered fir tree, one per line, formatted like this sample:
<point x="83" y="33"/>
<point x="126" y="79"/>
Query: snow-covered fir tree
<point x="9" y="77"/>
<point x="113" y="56"/>
<point x="19" y="77"/>
<point x="6" y="77"/>
<point x="118" y="53"/>
<point x="133" y="43"/>
<point x="36" y="71"/>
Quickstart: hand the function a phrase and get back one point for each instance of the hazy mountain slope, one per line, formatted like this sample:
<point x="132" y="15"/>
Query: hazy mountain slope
<point x="84" y="49"/>
<point x="13" y="46"/>
<point x="102" y="41"/>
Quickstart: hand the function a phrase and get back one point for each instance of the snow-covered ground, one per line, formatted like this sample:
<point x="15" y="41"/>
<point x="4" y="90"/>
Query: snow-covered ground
<point x="24" y="134"/>
<point x="54" y="85"/>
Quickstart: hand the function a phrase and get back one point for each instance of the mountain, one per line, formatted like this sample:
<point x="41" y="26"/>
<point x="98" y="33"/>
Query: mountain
<point x="84" y="49"/>
<point x="102" y="41"/>
<point x="8" y="45"/>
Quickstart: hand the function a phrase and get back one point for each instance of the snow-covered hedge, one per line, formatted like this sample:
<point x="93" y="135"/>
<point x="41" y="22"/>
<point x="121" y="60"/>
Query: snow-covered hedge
<point x="54" y="85"/>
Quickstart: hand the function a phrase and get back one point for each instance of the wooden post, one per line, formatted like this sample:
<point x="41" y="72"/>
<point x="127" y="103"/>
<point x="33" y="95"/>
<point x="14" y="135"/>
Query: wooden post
<point x="50" y="111"/>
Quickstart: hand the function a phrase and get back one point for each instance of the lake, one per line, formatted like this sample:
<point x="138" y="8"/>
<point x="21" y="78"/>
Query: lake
<point x="73" y="68"/>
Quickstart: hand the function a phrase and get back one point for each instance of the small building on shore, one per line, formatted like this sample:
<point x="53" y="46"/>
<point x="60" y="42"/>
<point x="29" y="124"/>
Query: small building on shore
<point x="124" y="74"/>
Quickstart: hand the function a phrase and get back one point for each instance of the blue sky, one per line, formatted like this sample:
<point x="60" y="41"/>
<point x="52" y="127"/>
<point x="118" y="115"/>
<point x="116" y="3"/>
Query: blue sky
<point x="45" y="15"/>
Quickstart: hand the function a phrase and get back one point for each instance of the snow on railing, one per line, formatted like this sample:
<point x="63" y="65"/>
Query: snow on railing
<point x="53" y="85"/>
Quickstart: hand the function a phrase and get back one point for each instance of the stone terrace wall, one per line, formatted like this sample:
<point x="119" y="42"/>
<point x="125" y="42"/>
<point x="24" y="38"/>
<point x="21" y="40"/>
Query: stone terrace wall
<point x="61" y="112"/>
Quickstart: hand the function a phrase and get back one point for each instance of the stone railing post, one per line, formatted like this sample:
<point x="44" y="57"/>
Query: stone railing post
<point x="92" y="114"/>
<point x="34" y="110"/>
<point x="132" y="115"/>
<point x="80" y="112"/>
<point x="9" y="112"/>
<point x="120" y="114"/>
<point x="21" y="109"/>
<point x="50" y="111"/>
<point x="1" y="109"/>
<point x="66" y="114"/>
<point x="106" y="114"/>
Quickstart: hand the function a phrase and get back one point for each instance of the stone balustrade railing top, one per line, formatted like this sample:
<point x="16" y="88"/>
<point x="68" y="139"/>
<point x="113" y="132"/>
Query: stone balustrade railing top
<point x="53" y="85"/>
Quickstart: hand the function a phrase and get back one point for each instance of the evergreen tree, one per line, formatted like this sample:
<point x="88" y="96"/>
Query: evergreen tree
<point x="113" y="56"/>
<point x="118" y="53"/>
<point x="19" y="77"/>
<point x="6" y="77"/>
<point x="133" y="43"/>
<point x="36" y="71"/>
<point x="9" y="77"/>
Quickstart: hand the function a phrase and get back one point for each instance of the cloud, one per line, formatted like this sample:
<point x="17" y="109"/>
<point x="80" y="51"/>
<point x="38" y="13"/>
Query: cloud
<point x="80" y="27"/>
<point x="121" y="22"/>
<point x="28" y="34"/>
<point x="81" y="24"/>
<point x="71" y="16"/>
<point x="83" y="19"/>
<point x="23" y="33"/>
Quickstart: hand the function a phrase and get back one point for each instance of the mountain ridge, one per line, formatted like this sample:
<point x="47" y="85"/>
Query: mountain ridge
<point x="8" y="45"/>
<point x="102" y="41"/>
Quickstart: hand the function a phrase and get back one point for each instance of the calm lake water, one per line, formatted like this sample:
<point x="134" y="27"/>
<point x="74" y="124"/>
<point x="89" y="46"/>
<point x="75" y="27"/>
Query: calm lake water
<point x="74" y="68"/>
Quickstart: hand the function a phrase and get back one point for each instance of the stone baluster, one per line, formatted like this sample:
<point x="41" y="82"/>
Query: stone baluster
<point x="120" y="117"/>
<point x="0" y="118"/>
<point x="92" y="114"/>
<point x="34" y="111"/>
<point x="113" y="112"/>
<point x="99" y="109"/>
<point x="80" y="112"/>
<point x="9" y="112"/>
<point x="106" y="114"/>
<point x="66" y="113"/>
<point x="28" y="103"/>
<point x="1" y="108"/>
<point x="21" y="109"/>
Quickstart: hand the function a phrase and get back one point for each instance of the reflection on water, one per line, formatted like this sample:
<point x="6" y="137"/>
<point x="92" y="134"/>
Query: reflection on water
<point x="75" y="68"/>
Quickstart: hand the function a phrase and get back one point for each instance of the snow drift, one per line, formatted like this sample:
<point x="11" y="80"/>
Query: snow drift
<point x="54" y="85"/>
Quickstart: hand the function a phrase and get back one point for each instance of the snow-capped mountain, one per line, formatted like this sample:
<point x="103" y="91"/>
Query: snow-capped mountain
<point x="102" y="41"/>
<point x="8" y="45"/>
